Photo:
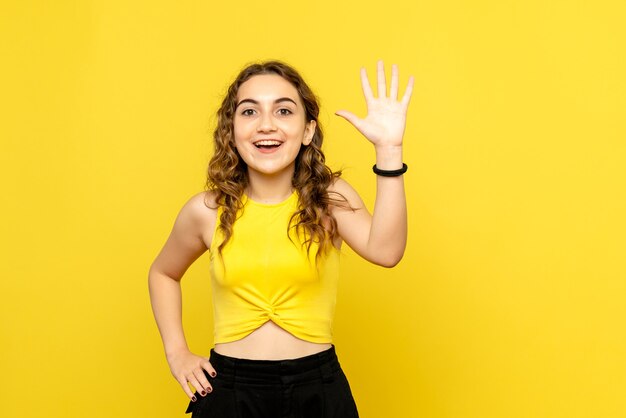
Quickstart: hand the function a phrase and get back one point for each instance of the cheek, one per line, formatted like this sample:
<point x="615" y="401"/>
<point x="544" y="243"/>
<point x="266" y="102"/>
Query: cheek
<point x="293" y="129"/>
<point x="238" y="135"/>
<point x="237" y="127"/>
<point x="243" y="123"/>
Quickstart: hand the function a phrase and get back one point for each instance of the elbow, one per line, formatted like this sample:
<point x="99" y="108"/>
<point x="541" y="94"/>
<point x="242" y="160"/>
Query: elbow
<point x="156" y="274"/>
<point x="389" y="260"/>
<point x="152" y="273"/>
<point x="389" y="263"/>
<point x="385" y="255"/>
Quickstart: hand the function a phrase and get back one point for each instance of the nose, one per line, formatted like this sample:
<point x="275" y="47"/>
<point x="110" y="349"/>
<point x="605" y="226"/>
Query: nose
<point x="266" y="123"/>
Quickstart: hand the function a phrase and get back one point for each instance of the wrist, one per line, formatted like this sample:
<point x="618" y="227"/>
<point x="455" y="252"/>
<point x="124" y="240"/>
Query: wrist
<point x="389" y="157"/>
<point x="175" y="351"/>
<point x="390" y="173"/>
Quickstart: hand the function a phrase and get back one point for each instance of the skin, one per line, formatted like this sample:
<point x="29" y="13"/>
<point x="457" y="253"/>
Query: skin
<point x="277" y="112"/>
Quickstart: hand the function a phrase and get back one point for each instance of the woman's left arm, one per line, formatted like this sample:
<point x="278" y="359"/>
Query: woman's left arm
<point x="381" y="237"/>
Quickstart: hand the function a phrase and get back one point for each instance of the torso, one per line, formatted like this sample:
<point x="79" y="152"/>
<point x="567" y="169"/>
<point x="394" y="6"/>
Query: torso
<point x="269" y="341"/>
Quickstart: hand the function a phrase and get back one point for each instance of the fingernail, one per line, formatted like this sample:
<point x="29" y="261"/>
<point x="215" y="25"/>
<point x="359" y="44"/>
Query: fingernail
<point x="209" y="389"/>
<point x="203" y="393"/>
<point x="193" y="399"/>
<point x="212" y="374"/>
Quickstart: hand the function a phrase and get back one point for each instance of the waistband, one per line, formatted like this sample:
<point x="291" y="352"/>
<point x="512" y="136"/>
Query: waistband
<point x="231" y="370"/>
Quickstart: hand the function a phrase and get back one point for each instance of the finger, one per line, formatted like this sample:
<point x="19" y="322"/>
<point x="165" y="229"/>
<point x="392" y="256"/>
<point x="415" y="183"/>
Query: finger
<point x="209" y="368"/>
<point x="365" y="84"/>
<point x="393" y="89"/>
<point x="350" y="117"/>
<point x="407" y="93"/>
<point x="194" y="382"/>
<point x="205" y="386"/>
<point x="382" y="83"/>
<point x="183" y="383"/>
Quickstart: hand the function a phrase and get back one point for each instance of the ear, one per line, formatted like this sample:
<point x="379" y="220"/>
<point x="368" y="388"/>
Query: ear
<point x="309" y="131"/>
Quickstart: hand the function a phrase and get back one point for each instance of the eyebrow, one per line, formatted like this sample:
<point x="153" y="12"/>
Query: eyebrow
<point x="282" y="99"/>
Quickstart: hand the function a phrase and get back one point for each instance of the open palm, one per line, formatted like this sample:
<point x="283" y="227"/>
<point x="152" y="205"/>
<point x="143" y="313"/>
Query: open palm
<point x="386" y="116"/>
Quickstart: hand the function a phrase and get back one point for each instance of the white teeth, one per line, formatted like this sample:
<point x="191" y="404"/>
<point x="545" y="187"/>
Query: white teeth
<point x="267" y="142"/>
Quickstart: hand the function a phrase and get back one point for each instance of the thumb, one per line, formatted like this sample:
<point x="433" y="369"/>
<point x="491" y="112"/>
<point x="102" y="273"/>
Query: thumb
<point x="350" y="117"/>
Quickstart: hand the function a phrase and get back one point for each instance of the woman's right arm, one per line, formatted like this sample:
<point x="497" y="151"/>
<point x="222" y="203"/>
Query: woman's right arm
<point x="188" y="240"/>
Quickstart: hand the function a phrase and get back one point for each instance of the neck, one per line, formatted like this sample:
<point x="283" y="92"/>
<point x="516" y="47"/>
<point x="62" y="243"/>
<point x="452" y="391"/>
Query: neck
<point x="269" y="188"/>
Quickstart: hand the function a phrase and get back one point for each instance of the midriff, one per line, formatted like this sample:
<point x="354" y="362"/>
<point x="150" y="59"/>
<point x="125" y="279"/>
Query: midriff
<point x="270" y="342"/>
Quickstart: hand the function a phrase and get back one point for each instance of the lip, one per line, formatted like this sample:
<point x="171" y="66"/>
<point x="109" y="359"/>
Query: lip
<point x="267" y="150"/>
<point x="267" y="139"/>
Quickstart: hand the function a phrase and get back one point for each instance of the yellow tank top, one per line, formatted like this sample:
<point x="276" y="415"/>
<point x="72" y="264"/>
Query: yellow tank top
<point x="264" y="276"/>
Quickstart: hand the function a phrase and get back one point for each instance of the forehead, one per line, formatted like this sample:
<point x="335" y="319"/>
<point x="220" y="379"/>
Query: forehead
<point x="267" y="86"/>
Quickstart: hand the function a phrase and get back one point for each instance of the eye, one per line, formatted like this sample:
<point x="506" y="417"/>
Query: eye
<point x="284" y="111"/>
<point x="247" y="112"/>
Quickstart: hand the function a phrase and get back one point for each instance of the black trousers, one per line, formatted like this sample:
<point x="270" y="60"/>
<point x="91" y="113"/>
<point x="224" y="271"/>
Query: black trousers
<point x="313" y="386"/>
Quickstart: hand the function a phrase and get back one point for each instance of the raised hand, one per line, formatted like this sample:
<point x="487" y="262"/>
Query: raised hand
<point x="386" y="116"/>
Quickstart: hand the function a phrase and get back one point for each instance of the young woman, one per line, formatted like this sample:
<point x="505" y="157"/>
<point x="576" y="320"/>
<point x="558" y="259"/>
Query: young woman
<point x="273" y="218"/>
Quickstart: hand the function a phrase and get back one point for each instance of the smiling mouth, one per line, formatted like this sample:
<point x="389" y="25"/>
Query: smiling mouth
<point x="267" y="144"/>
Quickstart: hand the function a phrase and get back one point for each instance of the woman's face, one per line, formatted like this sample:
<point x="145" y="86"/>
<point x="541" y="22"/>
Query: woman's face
<point x="270" y="124"/>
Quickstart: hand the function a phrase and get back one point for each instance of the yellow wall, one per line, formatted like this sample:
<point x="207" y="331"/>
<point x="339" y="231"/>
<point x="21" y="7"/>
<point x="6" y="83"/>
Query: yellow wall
<point x="510" y="301"/>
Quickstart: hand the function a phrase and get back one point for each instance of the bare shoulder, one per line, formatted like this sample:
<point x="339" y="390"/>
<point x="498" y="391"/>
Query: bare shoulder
<point x="353" y="219"/>
<point x="340" y="189"/>
<point x="201" y="202"/>
<point x="202" y="211"/>
<point x="190" y="237"/>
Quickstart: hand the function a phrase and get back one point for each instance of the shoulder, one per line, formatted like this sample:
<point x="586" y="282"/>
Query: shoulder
<point x="200" y="205"/>
<point x="352" y="217"/>
<point x="190" y="236"/>
<point x="339" y="190"/>
<point x="200" y="210"/>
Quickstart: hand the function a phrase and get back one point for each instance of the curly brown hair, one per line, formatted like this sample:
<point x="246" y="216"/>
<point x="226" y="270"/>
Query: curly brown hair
<point x="227" y="174"/>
